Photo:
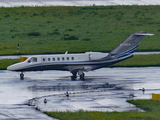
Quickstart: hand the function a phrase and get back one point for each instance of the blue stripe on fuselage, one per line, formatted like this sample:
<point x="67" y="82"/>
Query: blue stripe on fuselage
<point x="127" y="52"/>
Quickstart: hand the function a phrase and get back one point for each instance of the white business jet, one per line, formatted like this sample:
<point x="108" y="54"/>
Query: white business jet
<point x="79" y="63"/>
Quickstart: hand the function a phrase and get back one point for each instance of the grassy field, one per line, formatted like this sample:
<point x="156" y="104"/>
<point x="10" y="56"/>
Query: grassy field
<point x="6" y="62"/>
<point x="40" y="30"/>
<point x="151" y="107"/>
<point x="140" y="61"/>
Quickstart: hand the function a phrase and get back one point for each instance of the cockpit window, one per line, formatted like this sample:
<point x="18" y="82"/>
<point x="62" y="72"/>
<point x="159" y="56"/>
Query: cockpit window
<point x="33" y="59"/>
<point x="29" y="61"/>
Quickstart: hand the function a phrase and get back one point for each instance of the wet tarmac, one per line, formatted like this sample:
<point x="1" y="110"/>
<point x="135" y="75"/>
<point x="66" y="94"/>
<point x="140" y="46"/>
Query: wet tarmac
<point x="105" y="89"/>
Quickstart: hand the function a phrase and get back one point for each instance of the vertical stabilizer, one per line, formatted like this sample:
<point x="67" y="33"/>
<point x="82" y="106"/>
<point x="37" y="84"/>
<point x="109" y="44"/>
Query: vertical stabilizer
<point x="129" y="45"/>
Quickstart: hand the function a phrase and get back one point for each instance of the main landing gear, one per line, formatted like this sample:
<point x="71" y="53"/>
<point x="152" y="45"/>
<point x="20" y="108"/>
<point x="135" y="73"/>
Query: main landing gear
<point x="74" y="76"/>
<point x="21" y="76"/>
<point x="80" y="73"/>
<point x="82" y="76"/>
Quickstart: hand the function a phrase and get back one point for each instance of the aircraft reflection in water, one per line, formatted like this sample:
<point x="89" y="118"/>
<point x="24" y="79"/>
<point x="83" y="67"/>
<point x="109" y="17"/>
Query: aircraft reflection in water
<point x="81" y="62"/>
<point x="68" y="87"/>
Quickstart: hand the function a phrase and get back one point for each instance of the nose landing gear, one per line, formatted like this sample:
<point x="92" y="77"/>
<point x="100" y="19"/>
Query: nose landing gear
<point x="21" y="76"/>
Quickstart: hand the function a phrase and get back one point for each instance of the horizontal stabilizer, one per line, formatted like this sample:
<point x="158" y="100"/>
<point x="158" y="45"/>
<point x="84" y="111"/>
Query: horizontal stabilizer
<point x="144" y="34"/>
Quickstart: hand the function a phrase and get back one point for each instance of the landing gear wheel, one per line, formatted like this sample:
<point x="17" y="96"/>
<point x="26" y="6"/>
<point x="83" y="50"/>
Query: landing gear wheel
<point x="21" y="76"/>
<point x="74" y="76"/>
<point x="82" y="76"/>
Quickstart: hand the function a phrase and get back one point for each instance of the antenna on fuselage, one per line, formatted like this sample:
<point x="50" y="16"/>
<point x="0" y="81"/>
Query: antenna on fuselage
<point x="66" y="52"/>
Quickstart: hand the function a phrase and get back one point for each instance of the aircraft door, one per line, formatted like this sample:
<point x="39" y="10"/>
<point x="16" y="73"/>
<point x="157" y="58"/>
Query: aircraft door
<point x="43" y="63"/>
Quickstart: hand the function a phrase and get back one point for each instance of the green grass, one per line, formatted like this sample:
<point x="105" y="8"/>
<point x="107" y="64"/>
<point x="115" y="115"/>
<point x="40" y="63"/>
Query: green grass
<point x="140" y="61"/>
<point x="147" y="105"/>
<point x="57" y="29"/>
<point x="151" y="107"/>
<point x="6" y="62"/>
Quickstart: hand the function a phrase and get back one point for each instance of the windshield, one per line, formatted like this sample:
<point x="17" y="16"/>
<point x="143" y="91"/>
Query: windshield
<point x="31" y="60"/>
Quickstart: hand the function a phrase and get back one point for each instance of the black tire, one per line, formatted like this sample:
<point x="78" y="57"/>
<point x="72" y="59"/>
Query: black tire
<point x="21" y="76"/>
<point x="82" y="76"/>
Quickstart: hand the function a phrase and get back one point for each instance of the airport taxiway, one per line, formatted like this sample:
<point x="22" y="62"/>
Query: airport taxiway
<point x="105" y="89"/>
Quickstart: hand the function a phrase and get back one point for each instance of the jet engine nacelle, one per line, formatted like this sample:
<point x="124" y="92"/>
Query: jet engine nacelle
<point x="96" y="55"/>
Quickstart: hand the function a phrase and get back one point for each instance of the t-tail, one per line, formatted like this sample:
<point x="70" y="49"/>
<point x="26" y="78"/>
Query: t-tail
<point x="129" y="45"/>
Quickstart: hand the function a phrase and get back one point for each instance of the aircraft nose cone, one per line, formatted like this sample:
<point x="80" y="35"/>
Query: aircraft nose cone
<point x="16" y="66"/>
<point x="11" y="68"/>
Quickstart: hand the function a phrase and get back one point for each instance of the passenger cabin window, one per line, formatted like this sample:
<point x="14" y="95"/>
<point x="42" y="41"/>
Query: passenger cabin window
<point x="43" y="59"/>
<point x="63" y="58"/>
<point x="72" y="58"/>
<point x="49" y="59"/>
<point x="58" y="59"/>
<point x="67" y="58"/>
<point x="53" y="59"/>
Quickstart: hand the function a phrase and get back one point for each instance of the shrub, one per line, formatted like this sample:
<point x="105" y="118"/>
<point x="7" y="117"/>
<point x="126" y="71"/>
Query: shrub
<point x="54" y="33"/>
<point x="7" y="16"/>
<point x="69" y="29"/>
<point x="49" y="21"/>
<point x="34" y="34"/>
<point x="71" y="38"/>
<point x="86" y="39"/>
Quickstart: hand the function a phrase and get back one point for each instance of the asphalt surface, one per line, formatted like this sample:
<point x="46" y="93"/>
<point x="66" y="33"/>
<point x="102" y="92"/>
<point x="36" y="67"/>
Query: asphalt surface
<point x="15" y="95"/>
<point x="105" y="89"/>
